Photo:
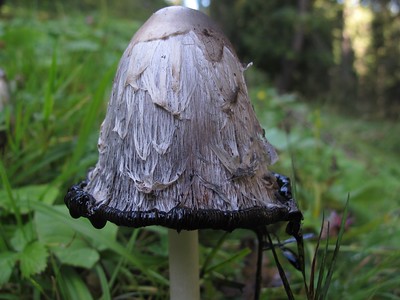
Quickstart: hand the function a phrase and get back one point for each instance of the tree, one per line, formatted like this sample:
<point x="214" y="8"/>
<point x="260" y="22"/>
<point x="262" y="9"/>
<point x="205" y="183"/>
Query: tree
<point x="290" y="40"/>
<point x="346" y="52"/>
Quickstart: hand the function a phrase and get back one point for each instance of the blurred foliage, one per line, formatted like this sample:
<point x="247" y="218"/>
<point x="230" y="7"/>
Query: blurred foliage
<point x="141" y="10"/>
<point x="344" y="53"/>
<point x="60" y="62"/>
<point x="328" y="156"/>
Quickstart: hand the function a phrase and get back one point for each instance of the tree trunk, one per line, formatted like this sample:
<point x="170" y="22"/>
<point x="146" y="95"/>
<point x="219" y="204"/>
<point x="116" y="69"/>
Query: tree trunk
<point x="289" y="63"/>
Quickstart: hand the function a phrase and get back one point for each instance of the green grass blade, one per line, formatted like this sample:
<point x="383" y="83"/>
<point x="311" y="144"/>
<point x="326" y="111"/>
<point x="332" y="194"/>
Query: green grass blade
<point x="88" y="123"/>
<point x="49" y="99"/>
<point x="74" y="287"/>
<point x="103" y="283"/>
<point x="337" y="247"/>
<point x="318" y="291"/>
<point x="7" y="186"/>
<point x="39" y="288"/>
<point x="58" y="281"/>
<point x="314" y="261"/>
<point x="212" y="254"/>
<point x="121" y="261"/>
<point x="300" y="249"/>
<point x="282" y="273"/>
<point x="238" y="256"/>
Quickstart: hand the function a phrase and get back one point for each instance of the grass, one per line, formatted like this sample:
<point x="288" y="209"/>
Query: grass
<point x="60" y="69"/>
<point x="334" y="155"/>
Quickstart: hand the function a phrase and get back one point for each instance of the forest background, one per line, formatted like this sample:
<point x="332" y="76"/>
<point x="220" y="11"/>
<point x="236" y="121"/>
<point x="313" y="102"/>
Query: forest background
<point x="325" y="84"/>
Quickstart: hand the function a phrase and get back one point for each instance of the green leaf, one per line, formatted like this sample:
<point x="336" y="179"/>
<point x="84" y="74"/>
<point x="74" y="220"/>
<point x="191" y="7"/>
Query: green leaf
<point x="90" y="233"/>
<point x="21" y="196"/>
<point x="33" y="259"/>
<point x="22" y="236"/>
<point x="68" y="246"/>
<point x="277" y="137"/>
<point x="7" y="263"/>
<point x="78" y="254"/>
<point x="44" y="193"/>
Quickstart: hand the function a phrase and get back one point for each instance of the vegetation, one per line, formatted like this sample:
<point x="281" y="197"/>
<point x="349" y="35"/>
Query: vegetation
<point x="60" y="63"/>
<point x="344" y="53"/>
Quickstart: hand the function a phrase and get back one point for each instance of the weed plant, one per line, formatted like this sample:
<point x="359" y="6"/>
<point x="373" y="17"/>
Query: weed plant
<point x="60" y="70"/>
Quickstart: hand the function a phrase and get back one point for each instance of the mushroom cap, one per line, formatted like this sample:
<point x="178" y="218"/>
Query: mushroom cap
<point x="178" y="20"/>
<point x="180" y="145"/>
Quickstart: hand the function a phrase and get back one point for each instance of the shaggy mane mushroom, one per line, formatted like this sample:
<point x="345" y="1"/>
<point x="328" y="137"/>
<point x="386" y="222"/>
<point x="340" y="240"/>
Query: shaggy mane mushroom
<point x="180" y="145"/>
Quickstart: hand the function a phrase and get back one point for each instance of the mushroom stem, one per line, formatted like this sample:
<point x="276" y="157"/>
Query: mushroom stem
<point x="184" y="265"/>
